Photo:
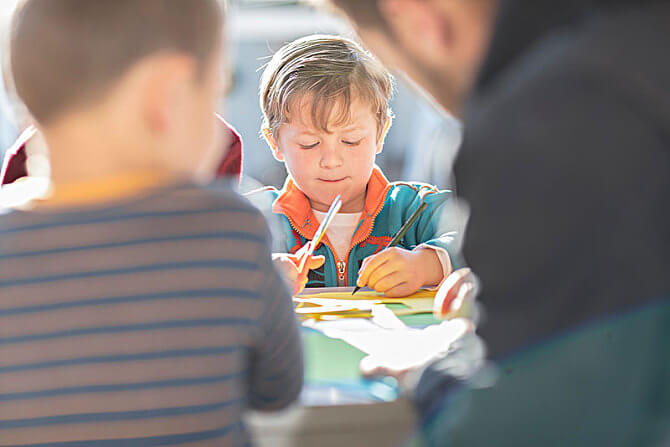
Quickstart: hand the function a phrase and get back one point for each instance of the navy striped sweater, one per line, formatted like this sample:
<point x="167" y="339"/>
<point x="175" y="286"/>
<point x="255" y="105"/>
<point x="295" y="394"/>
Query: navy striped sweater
<point x="154" y="321"/>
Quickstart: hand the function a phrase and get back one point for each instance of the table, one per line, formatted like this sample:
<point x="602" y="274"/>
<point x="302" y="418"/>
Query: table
<point x="338" y="406"/>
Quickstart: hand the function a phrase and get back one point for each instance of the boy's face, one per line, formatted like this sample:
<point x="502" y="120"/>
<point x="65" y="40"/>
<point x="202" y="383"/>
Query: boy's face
<point x="323" y="164"/>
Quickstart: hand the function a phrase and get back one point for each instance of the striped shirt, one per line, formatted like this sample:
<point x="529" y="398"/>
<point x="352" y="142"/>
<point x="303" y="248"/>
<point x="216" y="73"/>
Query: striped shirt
<point x="152" y="321"/>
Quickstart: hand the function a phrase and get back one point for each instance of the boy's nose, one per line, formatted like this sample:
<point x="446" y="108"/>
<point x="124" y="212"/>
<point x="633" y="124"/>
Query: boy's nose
<point x="330" y="157"/>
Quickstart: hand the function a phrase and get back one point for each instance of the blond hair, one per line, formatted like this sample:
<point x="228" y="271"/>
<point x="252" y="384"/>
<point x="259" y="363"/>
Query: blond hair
<point x="329" y="71"/>
<point x="65" y="52"/>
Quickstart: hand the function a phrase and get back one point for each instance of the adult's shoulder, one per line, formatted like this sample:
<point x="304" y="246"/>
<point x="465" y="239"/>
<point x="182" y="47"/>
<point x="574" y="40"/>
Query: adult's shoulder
<point x="599" y="85"/>
<point x="619" y="53"/>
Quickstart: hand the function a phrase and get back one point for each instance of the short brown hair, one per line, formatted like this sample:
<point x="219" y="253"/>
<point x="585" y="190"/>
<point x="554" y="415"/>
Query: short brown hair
<point x="65" y="52"/>
<point x="330" y="70"/>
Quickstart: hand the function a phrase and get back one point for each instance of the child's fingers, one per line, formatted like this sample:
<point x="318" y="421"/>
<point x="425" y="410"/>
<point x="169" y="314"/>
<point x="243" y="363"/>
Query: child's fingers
<point x="301" y="252"/>
<point x="286" y="267"/>
<point x="300" y="282"/>
<point x="291" y="274"/>
<point x="302" y="277"/>
<point x="296" y="258"/>
<point x="401" y="290"/>
<point x="370" y="264"/>
<point x="387" y="282"/>
<point x="365" y="262"/>
<point x="314" y="262"/>
<point x="387" y="268"/>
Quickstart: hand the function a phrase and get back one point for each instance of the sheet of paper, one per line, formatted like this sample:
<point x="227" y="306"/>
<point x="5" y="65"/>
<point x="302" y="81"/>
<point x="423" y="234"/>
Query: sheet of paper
<point x="397" y="347"/>
<point x="344" y="293"/>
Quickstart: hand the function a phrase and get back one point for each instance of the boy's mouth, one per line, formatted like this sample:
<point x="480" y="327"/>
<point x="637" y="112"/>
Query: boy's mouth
<point x="332" y="180"/>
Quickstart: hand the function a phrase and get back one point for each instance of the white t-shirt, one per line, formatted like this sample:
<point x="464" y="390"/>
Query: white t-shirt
<point x="340" y="231"/>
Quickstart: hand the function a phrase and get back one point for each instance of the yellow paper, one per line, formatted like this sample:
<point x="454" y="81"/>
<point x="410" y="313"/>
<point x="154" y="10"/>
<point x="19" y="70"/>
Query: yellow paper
<point x="327" y="303"/>
<point x="366" y="295"/>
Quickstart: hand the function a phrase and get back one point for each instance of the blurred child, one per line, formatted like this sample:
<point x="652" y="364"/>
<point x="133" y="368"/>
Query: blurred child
<point x="325" y="103"/>
<point x="137" y="307"/>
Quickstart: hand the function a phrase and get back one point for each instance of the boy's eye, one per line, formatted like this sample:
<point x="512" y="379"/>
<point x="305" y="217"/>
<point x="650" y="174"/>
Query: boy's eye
<point x="308" y="146"/>
<point x="352" y="143"/>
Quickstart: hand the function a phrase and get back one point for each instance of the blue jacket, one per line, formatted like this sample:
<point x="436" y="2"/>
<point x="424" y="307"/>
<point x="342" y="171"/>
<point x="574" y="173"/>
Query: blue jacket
<point x="387" y="207"/>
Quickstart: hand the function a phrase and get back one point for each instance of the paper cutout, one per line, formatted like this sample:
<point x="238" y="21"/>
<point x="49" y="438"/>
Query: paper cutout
<point x="369" y="322"/>
<point x="398" y="348"/>
<point x="341" y="303"/>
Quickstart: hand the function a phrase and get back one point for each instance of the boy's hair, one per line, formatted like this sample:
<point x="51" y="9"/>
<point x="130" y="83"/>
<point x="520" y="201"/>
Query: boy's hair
<point x="329" y="71"/>
<point x="65" y="52"/>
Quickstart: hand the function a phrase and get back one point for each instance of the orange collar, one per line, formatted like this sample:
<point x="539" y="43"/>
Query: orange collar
<point x="293" y="203"/>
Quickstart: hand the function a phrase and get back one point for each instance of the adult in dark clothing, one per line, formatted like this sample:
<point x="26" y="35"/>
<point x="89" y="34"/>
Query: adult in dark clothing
<point x="565" y="166"/>
<point x="567" y="156"/>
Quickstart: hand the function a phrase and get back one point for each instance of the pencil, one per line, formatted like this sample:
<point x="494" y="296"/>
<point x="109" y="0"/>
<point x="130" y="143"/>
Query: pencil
<point x="401" y="233"/>
<point x="332" y="211"/>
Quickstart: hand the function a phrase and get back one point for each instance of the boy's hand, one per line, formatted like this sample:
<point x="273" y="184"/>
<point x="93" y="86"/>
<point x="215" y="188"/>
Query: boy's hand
<point x="398" y="272"/>
<point x="288" y="264"/>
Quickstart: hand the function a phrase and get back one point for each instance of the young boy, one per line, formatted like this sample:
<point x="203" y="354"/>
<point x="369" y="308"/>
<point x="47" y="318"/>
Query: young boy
<point x="326" y="112"/>
<point x="136" y="307"/>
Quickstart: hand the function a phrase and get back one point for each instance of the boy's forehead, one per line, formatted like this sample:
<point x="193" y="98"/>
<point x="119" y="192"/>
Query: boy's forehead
<point x="301" y="114"/>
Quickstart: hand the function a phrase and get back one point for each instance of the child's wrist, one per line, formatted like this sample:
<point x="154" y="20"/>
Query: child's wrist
<point x="430" y="268"/>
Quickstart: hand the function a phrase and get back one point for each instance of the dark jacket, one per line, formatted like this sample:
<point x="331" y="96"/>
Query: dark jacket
<point x="566" y="167"/>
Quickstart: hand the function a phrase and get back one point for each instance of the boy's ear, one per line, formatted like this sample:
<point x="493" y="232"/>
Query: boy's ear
<point x="270" y="139"/>
<point x="385" y="131"/>
<point x="165" y="89"/>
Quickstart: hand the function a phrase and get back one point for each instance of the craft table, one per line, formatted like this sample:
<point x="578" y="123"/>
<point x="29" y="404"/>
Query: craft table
<point x="338" y="406"/>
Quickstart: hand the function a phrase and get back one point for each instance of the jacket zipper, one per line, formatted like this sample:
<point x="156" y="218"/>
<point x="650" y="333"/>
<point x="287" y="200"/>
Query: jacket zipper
<point x="346" y="267"/>
<point x="342" y="267"/>
<point x="341" y="270"/>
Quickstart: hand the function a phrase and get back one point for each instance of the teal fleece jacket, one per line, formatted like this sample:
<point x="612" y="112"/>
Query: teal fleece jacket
<point x="387" y="207"/>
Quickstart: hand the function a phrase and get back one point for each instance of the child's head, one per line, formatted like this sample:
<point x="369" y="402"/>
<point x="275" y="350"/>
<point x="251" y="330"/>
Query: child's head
<point x="325" y="103"/>
<point x="145" y="70"/>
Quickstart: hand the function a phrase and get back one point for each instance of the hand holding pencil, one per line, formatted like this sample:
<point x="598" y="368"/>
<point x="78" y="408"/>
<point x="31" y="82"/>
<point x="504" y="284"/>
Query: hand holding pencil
<point x="296" y="267"/>
<point x="398" y="272"/>
<point x="289" y="267"/>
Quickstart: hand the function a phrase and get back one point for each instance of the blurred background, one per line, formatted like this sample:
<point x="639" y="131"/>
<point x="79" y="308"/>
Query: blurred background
<point x="420" y="141"/>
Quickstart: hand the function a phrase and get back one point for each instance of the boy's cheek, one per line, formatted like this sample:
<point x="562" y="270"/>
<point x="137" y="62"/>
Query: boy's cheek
<point x="301" y="166"/>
